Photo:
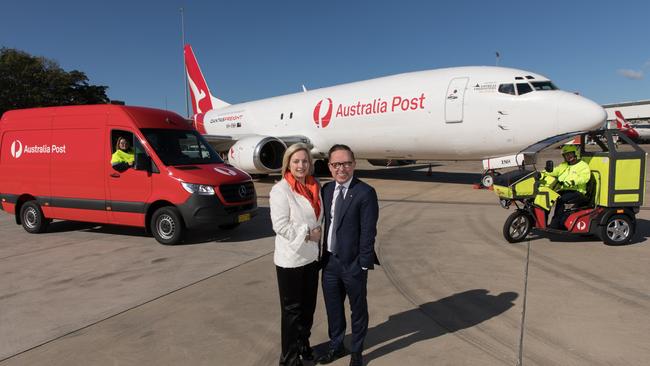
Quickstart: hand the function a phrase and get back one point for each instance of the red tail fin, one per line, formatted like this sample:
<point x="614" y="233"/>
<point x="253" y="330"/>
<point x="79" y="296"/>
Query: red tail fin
<point x="620" y="120"/>
<point x="624" y="126"/>
<point x="201" y="96"/>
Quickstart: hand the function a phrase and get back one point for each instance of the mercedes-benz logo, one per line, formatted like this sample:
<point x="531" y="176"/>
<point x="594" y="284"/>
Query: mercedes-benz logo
<point x="242" y="191"/>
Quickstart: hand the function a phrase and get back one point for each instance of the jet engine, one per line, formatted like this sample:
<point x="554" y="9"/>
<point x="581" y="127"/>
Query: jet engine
<point x="257" y="154"/>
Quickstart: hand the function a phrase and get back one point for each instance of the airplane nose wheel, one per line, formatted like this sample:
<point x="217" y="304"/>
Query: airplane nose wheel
<point x="488" y="178"/>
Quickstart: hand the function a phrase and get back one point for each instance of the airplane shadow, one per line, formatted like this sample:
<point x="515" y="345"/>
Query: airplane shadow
<point x="450" y="314"/>
<point x="418" y="173"/>
<point x="412" y="173"/>
<point x="257" y="228"/>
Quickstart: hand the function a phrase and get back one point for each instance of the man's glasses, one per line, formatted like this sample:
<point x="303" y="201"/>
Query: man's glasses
<point x="345" y="164"/>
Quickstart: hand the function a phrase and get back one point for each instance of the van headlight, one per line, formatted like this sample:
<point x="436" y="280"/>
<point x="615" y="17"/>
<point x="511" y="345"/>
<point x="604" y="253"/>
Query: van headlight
<point x="198" y="188"/>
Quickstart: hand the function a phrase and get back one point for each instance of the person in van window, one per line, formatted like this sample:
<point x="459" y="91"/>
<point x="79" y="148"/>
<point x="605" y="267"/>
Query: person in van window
<point x="123" y="157"/>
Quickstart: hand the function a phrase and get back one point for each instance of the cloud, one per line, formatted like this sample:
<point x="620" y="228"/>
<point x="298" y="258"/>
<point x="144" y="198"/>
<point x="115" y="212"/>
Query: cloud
<point x="647" y="64"/>
<point x="631" y="74"/>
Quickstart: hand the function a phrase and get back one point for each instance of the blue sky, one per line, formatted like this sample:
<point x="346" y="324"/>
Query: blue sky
<point x="255" y="49"/>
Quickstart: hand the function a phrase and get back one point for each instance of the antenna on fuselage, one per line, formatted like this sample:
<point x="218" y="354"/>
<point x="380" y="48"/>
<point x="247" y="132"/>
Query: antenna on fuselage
<point x="498" y="57"/>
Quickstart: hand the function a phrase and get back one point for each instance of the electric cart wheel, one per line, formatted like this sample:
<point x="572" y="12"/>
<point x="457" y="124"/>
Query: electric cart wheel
<point x="32" y="218"/>
<point x="517" y="226"/>
<point x="618" y="230"/>
<point x="167" y="226"/>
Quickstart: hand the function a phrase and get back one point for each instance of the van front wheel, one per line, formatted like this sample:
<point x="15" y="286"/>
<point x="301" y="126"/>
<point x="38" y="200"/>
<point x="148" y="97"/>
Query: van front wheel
<point x="167" y="226"/>
<point x="32" y="218"/>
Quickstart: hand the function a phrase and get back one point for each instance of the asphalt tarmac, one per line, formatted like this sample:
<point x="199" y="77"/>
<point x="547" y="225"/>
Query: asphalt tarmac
<point x="450" y="290"/>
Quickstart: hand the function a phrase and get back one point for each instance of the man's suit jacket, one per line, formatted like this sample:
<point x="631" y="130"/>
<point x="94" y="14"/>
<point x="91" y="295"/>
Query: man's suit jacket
<point x="357" y="224"/>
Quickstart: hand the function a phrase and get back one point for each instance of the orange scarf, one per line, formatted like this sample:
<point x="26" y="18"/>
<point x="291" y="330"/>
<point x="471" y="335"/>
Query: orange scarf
<point x="310" y="190"/>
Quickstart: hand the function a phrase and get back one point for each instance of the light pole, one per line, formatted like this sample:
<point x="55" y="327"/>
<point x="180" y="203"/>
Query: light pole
<point x="187" y="107"/>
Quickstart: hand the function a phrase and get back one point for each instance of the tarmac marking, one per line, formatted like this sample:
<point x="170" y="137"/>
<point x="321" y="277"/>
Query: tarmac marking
<point x="137" y="306"/>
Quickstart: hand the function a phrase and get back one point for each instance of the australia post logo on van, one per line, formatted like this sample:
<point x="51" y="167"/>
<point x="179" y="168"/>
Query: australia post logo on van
<point x="18" y="149"/>
<point x="325" y="108"/>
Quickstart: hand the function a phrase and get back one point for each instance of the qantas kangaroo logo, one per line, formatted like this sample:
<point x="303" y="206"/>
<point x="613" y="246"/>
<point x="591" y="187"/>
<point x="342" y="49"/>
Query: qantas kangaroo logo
<point x="323" y="116"/>
<point x="16" y="149"/>
<point x="197" y="94"/>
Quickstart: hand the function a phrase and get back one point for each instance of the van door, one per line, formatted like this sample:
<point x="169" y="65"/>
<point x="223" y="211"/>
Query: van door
<point x="455" y="98"/>
<point x="129" y="186"/>
<point x="77" y="174"/>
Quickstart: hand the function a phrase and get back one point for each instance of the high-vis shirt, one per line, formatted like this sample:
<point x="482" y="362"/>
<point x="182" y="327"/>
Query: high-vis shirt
<point x="122" y="157"/>
<point x="572" y="177"/>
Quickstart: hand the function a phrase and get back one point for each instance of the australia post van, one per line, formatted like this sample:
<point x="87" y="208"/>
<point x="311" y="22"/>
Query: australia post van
<point x="55" y="163"/>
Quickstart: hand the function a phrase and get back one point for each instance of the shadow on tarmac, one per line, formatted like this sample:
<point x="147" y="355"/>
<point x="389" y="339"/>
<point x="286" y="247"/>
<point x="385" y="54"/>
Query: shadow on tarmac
<point x="259" y="227"/>
<point x="641" y="234"/>
<point x="411" y="173"/>
<point x="459" y="311"/>
<point x="418" y="173"/>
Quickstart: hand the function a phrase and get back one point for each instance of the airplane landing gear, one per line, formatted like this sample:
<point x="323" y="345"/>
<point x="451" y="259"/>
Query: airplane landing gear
<point x="488" y="178"/>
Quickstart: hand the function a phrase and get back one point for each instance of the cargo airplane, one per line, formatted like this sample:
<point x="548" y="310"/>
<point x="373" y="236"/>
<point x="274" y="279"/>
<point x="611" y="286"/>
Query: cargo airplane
<point x="461" y="113"/>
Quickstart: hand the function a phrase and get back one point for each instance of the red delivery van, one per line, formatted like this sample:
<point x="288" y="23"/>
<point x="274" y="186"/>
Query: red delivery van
<point x="55" y="163"/>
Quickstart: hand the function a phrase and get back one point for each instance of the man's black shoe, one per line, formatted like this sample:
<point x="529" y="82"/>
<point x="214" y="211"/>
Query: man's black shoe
<point x="331" y="356"/>
<point x="356" y="359"/>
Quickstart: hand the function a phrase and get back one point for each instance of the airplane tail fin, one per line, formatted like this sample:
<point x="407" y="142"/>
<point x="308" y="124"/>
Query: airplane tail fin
<point x="202" y="99"/>
<point x="625" y="126"/>
<point x="621" y="123"/>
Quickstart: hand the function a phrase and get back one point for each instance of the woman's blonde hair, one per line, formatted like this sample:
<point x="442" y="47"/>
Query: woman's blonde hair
<point x="292" y="150"/>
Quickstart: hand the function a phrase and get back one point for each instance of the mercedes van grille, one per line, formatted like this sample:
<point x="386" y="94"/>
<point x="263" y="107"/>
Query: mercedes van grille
<point x="237" y="192"/>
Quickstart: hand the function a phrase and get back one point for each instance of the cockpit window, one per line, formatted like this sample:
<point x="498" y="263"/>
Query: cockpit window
<point x="507" y="89"/>
<point x="544" y="85"/>
<point x="523" y="88"/>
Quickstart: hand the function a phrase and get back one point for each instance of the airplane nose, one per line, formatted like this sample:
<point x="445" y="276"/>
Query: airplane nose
<point x="576" y="113"/>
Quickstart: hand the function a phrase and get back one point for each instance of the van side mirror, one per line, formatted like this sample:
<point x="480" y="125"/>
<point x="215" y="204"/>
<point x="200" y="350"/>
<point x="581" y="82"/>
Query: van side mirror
<point x="142" y="162"/>
<point x="549" y="166"/>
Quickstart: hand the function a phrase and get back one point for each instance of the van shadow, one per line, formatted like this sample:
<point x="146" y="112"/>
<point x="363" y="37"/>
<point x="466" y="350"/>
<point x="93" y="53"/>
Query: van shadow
<point x="418" y="173"/>
<point x="257" y="228"/>
<point x="450" y="314"/>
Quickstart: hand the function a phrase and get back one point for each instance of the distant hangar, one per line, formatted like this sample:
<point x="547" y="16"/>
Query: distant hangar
<point x="634" y="112"/>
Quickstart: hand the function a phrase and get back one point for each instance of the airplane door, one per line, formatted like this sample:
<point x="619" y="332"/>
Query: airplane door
<point x="455" y="99"/>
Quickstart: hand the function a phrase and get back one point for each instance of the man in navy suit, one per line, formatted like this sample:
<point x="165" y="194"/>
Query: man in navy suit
<point x="351" y="212"/>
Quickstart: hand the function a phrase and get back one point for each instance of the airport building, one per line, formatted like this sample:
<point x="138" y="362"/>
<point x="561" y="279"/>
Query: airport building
<point x="634" y="112"/>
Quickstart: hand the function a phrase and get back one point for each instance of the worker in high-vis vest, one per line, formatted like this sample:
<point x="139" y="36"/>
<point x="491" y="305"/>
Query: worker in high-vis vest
<point x="572" y="177"/>
<point x="123" y="157"/>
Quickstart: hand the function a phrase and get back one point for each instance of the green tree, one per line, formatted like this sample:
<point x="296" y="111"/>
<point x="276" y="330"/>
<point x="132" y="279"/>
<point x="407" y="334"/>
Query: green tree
<point x="27" y="81"/>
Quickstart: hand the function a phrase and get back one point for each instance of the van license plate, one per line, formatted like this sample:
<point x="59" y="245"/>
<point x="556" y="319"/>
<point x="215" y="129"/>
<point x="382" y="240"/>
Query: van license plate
<point x="244" y="217"/>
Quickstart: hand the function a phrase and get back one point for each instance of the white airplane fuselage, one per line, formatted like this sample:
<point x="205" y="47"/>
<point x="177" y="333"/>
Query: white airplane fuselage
<point x="460" y="113"/>
<point x="446" y="114"/>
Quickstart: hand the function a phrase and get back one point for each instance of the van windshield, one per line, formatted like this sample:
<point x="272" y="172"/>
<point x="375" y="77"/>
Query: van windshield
<point x="181" y="147"/>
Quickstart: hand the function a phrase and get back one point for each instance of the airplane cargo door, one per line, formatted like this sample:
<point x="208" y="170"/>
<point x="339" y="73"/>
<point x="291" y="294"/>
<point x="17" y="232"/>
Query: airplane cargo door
<point x="455" y="99"/>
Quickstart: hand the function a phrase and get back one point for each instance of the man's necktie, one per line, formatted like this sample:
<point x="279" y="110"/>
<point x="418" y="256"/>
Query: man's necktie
<point x="338" y="206"/>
